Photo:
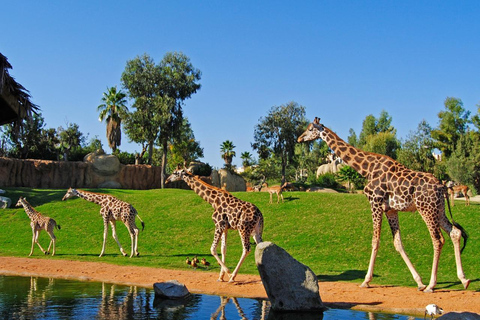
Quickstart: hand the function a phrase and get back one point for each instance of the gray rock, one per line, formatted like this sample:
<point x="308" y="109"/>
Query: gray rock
<point x="290" y="285"/>
<point x="110" y="185"/>
<point x="171" y="289"/>
<point x="105" y="164"/>
<point x="230" y="181"/>
<point x="5" y="202"/>
<point x="460" y="316"/>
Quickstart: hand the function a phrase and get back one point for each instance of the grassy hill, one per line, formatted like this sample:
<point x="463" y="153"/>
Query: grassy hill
<point x="331" y="233"/>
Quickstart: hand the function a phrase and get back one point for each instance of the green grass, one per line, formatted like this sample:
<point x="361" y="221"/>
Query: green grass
<point x="331" y="233"/>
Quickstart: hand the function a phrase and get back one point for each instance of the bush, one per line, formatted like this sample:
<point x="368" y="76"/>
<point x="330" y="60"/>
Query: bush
<point x="327" y="180"/>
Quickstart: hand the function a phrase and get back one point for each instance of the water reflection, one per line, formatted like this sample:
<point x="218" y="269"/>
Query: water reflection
<point x="48" y="298"/>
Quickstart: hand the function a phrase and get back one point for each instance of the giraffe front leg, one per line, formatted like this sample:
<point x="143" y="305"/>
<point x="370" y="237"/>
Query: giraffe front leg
<point x="114" y="235"/>
<point x="105" y="233"/>
<point x="377" y="228"/>
<point x="33" y="242"/>
<point x="392" y="217"/>
<point x="213" y="250"/>
<point x="456" y="235"/>
<point x="245" y="252"/>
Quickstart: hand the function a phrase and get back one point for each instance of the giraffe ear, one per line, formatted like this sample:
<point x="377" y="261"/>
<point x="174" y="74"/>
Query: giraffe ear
<point x="316" y="120"/>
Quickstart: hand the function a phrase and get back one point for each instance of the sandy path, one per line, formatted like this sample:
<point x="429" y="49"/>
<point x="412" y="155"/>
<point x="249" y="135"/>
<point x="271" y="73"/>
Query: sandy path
<point x="334" y="294"/>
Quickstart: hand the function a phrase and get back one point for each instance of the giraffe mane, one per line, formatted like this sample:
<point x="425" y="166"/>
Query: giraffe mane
<point x="206" y="184"/>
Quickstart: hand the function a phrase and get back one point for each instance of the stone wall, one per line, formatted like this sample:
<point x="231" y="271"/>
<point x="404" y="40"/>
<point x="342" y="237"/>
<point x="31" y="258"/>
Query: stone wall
<point x="95" y="172"/>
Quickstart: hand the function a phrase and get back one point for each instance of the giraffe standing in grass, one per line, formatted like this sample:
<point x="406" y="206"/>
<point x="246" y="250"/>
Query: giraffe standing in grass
<point x="112" y="209"/>
<point x="229" y="213"/>
<point x="39" y="222"/>
<point x="392" y="187"/>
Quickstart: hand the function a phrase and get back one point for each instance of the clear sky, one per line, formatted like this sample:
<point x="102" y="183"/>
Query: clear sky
<point x="342" y="60"/>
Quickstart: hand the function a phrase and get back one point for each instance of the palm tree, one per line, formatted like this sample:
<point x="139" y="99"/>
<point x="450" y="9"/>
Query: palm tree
<point x="226" y="149"/>
<point x="113" y="110"/>
<point x="246" y="159"/>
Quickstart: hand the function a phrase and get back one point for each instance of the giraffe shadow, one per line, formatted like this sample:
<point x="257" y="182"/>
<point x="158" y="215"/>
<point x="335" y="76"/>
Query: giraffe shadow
<point x="450" y="284"/>
<point x="348" y="275"/>
<point x="290" y="198"/>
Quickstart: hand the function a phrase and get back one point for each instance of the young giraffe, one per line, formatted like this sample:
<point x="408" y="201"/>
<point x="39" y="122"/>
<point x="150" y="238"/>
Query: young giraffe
<point x="229" y="213"/>
<point x="391" y="188"/>
<point x="112" y="209"/>
<point x="39" y="222"/>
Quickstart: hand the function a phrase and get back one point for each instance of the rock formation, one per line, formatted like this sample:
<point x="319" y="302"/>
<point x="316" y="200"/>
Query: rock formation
<point x="290" y="285"/>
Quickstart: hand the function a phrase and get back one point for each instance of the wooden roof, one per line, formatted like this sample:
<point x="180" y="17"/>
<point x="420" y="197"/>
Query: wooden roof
<point x="15" y="101"/>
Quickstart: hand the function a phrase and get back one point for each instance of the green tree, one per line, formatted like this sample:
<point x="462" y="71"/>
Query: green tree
<point x="247" y="159"/>
<point x="416" y="151"/>
<point x="377" y="135"/>
<point x="453" y="124"/>
<point x="113" y="110"/>
<point x="353" y="179"/>
<point x="70" y="140"/>
<point x="278" y="133"/>
<point x="184" y="149"/>
<point x="227" y="153"/>
<point x="159" y="92"/>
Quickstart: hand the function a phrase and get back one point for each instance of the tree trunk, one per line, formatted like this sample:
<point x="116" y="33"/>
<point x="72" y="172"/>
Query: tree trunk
<point x="150" y="152"/>
<point x="164" y="164"/>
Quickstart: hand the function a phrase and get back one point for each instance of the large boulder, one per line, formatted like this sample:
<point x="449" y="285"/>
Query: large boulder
<point x="228" y="180"/>
<point x="460" y="316"/>
<point x="171" y="289"/>
<point x="290" y="285"/>
<point x="332" y="167"/>
<point x="5" y="202"/>
<point x="103" y="164"/>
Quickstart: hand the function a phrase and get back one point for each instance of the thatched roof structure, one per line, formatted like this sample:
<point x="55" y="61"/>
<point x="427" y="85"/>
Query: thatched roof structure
<point x="15" y="101"/>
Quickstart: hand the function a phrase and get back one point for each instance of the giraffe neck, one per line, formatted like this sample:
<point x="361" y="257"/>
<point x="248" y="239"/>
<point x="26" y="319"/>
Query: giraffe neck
<point x="355" y="158"/>
<point x="97" y="198"/>
<point x="29" y="210"/>
<point x="207" y="192"/>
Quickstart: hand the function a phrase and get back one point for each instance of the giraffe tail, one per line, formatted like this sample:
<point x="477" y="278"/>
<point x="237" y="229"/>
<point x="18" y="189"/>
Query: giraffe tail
<point x="143" y="223"/>
<point x="459" y="227"/>
<point x="58" y="227"/>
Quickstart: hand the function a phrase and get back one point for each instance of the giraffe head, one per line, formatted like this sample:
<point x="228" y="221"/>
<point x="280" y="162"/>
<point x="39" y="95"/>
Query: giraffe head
<point x="314" y="131"/>
<point x="20" y="202"/>
<point x="70" y="194"/>
<point x="177" y="175"/>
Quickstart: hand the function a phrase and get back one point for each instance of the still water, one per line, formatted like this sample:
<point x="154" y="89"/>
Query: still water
<point x="44" y="298"/>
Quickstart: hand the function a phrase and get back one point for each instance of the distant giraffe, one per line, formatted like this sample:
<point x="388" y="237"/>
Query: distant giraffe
<point x="391" y="188"/>
<point x="229" y="213"/>
<point x="112" y="209"/>
<point x="39" y="222"/>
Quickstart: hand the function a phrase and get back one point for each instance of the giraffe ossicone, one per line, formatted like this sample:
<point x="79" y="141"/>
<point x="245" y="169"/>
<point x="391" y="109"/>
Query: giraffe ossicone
<point x="391" y="188"/>
<point x="229" y="213"/>
<point x="112" y="209"/>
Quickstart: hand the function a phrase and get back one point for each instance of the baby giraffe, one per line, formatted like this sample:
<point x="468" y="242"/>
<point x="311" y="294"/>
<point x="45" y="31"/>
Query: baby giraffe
<point x="39" y="222"/>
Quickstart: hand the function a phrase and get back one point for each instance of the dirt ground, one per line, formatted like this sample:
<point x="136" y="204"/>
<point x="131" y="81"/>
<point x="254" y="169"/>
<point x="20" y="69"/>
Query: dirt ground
<point x="334" y="294"/>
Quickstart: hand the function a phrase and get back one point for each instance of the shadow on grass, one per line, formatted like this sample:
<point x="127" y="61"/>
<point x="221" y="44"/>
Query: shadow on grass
<point x="447" y="285"/>
<point x="348" y="275"/>
<point x="35" y="197"/>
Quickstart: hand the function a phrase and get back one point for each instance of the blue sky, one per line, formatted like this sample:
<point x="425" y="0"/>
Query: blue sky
<point x="342" y="60"/>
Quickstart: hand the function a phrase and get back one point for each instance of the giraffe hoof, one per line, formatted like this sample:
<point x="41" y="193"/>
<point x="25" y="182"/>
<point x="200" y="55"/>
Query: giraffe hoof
<point x="421" y="288"/>
<point x="365" y="285"/>
<point x="466" y="283"/>
<point x="428" y="290"/>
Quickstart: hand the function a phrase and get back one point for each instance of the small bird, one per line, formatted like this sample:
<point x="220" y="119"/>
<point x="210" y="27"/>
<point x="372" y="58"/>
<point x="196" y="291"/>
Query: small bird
<point x="432" y="310"/>
<point x="194" y="264"/>
<point x="195" y="260"/>
<point x="205" y="262"/>
<point x="188" y="261"/>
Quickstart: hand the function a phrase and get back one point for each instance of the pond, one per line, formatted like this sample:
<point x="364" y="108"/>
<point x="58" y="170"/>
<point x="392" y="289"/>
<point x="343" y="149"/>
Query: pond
<point x="48" y="298"/>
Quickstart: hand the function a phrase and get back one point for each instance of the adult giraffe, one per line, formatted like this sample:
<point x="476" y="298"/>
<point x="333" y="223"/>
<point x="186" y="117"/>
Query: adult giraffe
<point x="229" y="213"/>
<point x="392" y="187"/>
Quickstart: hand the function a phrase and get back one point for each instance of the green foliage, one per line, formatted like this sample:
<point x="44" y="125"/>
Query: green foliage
<point x="113" y="110"/>
<point x="327" y="180"/>
<point x="227" y="153"/>
<point x="354" y="180"/>
<point x="453" y="124"/>
<point x="277" y="133"/>
<point x="331" y="233"/>
<point x="416" y="151"/>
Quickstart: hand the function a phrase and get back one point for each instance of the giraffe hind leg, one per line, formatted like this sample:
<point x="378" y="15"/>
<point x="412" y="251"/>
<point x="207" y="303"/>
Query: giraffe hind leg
<point x="245" y="252"/>
<point x="213" y="250"/>
<point x="456" y="232"/>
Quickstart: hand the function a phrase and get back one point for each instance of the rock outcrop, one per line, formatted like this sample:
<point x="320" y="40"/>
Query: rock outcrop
<point x="171" y="289"/>
<point x="228" y="180"/>
<point x="96" y="171"/>
<point x="290" y="285"/>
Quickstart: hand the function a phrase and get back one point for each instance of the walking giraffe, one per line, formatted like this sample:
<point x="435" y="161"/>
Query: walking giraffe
<point x="392" y="187"/>
<point x="229" y="213"/>
<point x="39" y="222"/>
<point x="112" y="209"/>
